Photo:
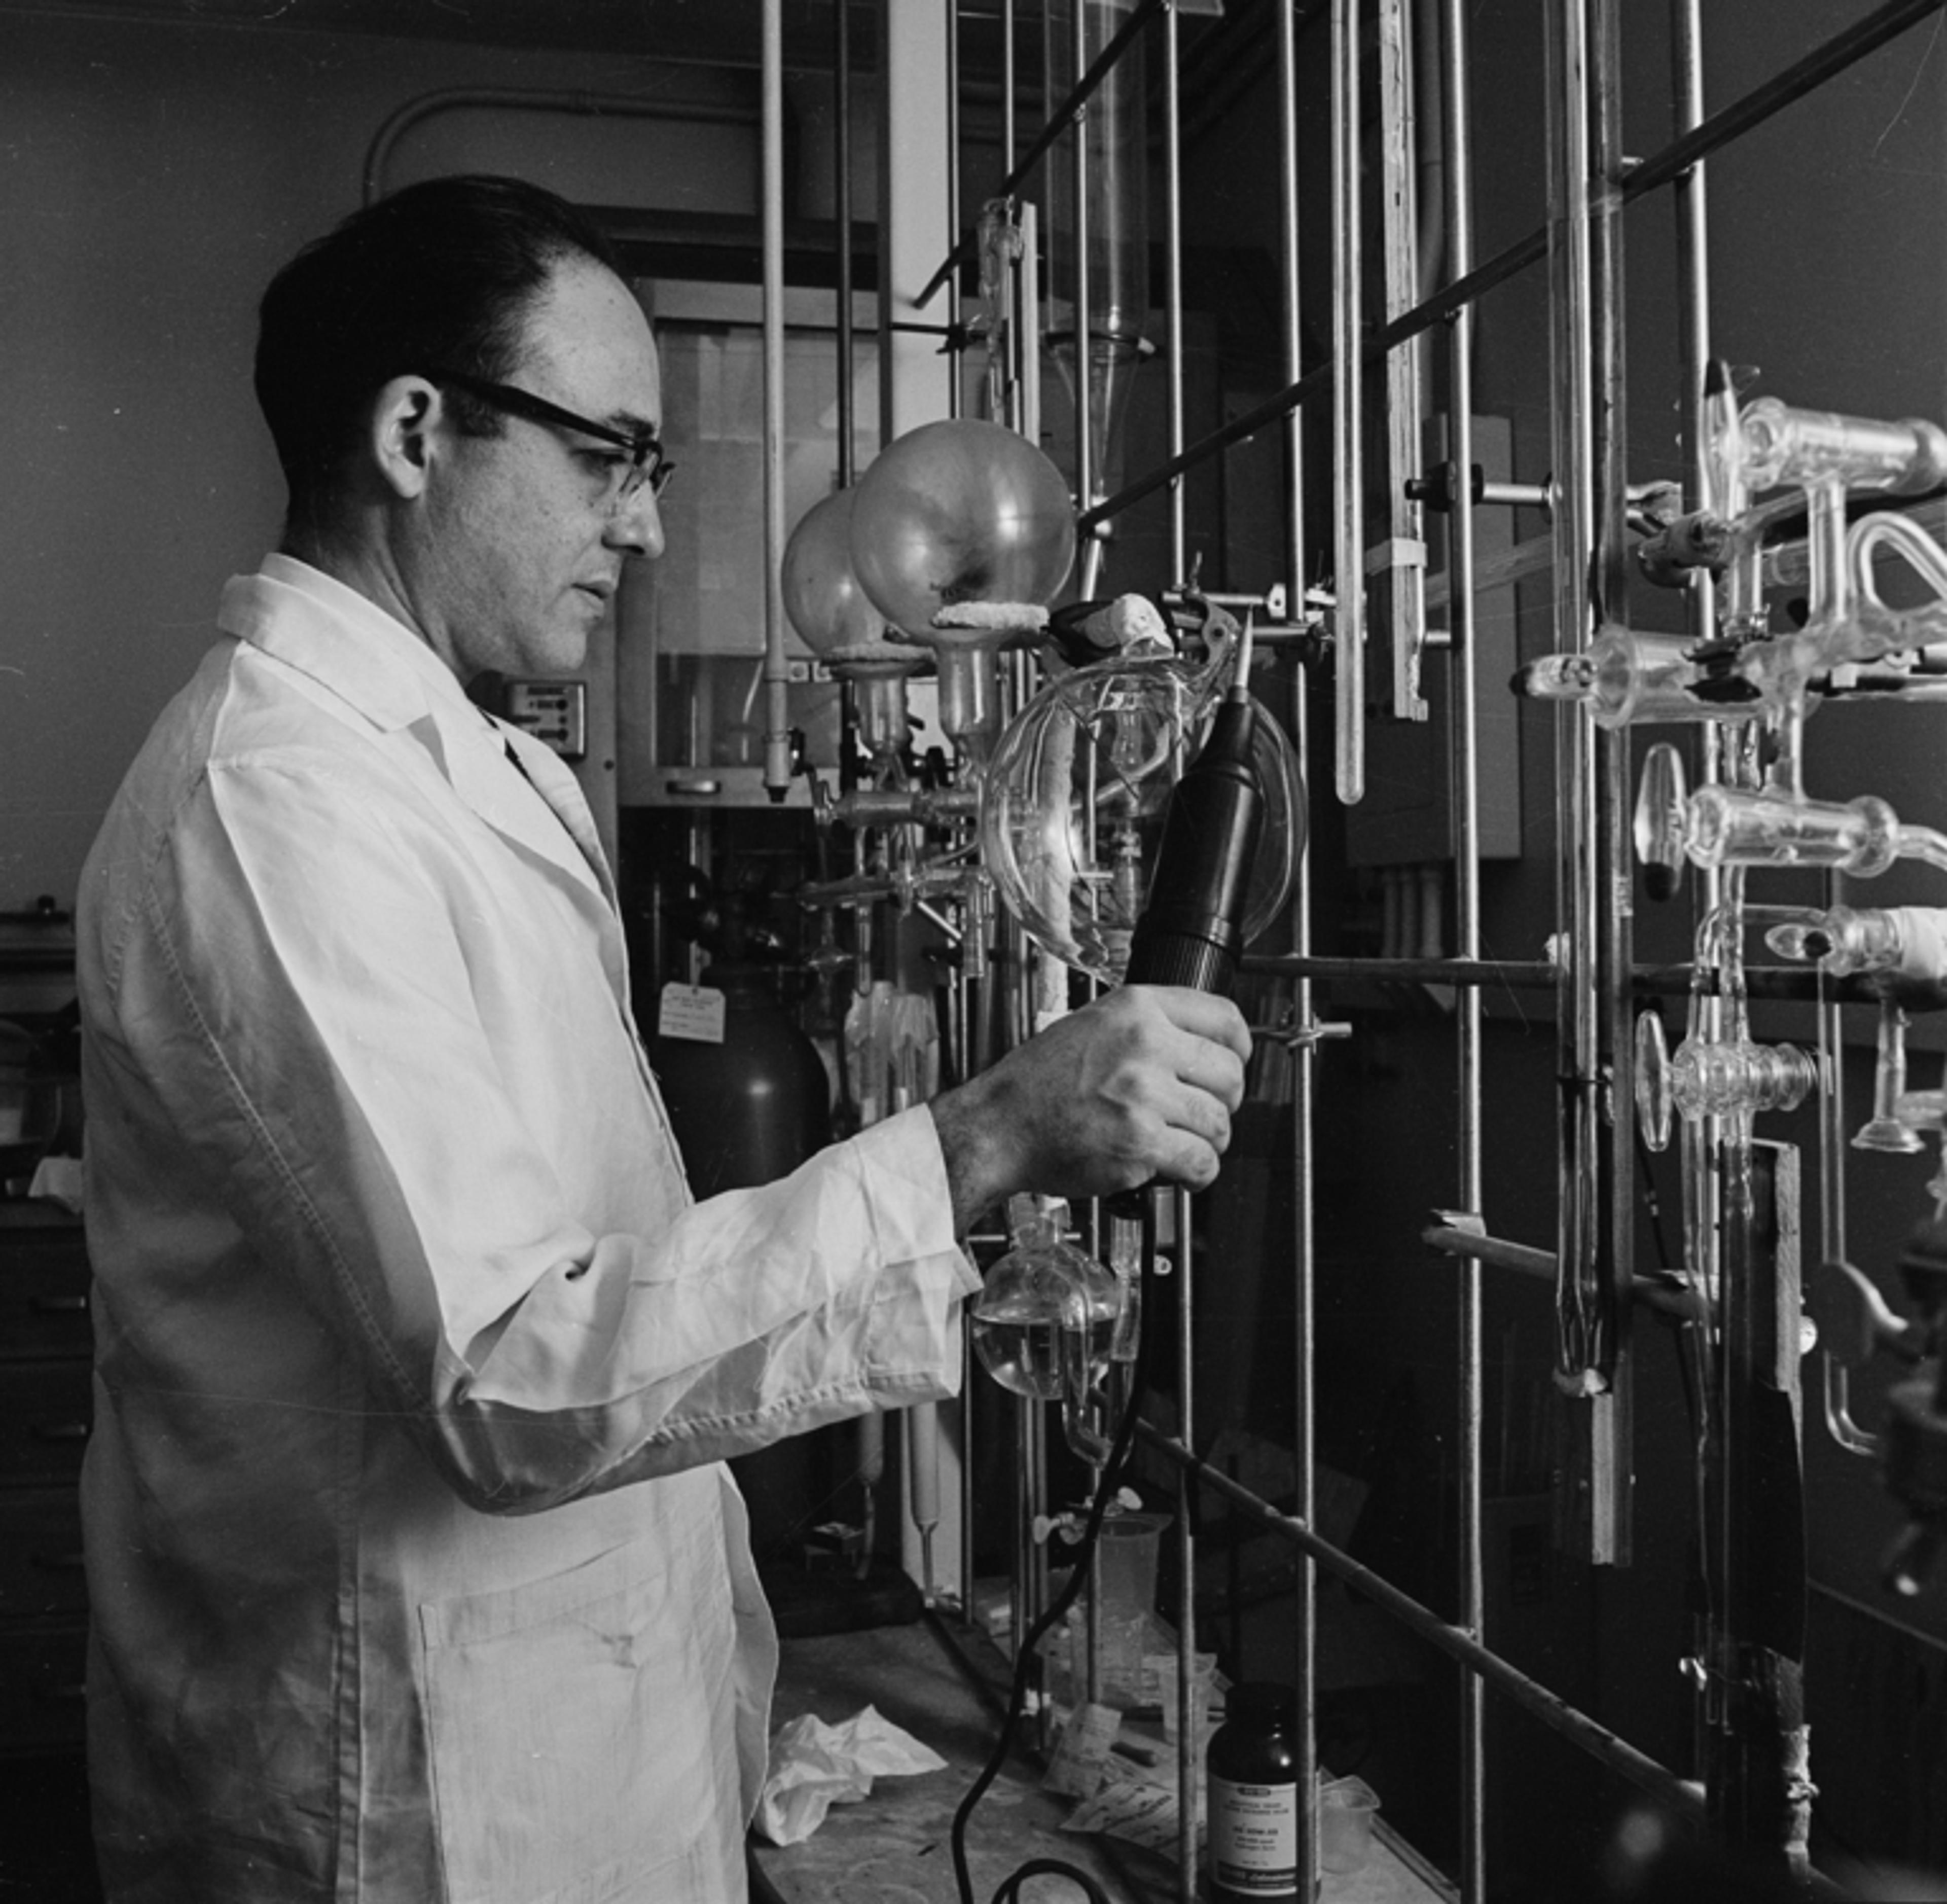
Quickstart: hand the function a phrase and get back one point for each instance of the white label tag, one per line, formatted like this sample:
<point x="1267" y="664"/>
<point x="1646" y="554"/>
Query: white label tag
<point x="1082" y="1750"/>
<point x="691" y="1011"/>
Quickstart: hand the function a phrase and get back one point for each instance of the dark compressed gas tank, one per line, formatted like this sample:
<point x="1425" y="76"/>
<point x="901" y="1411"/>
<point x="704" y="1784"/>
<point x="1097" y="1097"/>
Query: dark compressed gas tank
<point x="746" y="1112"/>
<point x="752" y="1109"/>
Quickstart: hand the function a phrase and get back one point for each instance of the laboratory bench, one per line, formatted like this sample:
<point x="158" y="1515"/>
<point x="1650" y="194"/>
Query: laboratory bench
<point x="947" y="1687"/>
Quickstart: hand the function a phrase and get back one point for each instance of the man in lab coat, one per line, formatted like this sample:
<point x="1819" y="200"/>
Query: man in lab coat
<point x="415" y="1571"/>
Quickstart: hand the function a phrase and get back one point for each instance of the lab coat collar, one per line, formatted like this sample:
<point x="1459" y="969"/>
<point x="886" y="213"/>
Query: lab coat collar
<point x="342" y="639"/>
<point x="383" y="670"/>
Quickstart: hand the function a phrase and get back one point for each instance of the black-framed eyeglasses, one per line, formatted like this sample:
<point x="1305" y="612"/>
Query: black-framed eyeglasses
<point x="646" y="463"/>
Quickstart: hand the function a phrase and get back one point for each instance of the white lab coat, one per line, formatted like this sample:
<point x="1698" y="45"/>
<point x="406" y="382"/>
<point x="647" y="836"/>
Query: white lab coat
<point x="414" y="1572"/>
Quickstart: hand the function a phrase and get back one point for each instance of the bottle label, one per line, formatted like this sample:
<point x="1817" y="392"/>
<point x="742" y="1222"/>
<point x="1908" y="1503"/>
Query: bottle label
<point x="695" y="1011"/>
<point x="1254" y="1838"/>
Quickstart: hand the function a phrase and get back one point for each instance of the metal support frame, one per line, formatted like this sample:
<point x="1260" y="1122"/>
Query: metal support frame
<point x="1758" y="1792"/>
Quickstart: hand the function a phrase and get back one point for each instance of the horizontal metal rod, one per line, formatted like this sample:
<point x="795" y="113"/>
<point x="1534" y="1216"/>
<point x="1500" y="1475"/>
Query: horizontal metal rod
<point x="1533" y="974"/>
<point x="1801" y="984"/>
<point x="1530" y="1694"/>
<point x="1525" y="1260"/>
<point x="1821" y="64"/>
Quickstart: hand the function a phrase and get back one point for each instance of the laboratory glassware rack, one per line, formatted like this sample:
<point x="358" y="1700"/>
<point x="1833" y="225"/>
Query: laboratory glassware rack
<point x="1756" y="1793"/>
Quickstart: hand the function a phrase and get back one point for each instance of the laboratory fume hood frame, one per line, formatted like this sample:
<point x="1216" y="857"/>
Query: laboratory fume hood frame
<point x="1757" y="1794"/>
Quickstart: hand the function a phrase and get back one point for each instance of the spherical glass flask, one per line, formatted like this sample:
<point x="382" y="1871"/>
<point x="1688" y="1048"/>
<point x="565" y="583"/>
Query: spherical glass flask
<point x="821" y="590"/>
<point x="1073" y="804"/>
<point x="1047" y="1309"/>
<point x="960" y="511"/>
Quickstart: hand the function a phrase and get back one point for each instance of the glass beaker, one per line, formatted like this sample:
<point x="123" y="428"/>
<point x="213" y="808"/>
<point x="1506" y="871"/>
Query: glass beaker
<point x="1126" y="1553"/>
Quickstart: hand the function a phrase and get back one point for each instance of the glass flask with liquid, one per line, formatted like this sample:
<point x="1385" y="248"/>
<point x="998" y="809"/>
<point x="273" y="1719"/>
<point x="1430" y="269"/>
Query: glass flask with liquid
<point x="1048" y="1311"/>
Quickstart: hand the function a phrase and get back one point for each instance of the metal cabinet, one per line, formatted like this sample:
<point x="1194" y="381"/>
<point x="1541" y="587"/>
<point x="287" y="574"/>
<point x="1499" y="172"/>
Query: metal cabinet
<point x="46" y="1407"/>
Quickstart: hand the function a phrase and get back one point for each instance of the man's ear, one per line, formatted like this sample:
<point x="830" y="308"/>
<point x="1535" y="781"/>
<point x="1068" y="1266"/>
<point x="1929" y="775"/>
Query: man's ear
<point x="404" y="416"/>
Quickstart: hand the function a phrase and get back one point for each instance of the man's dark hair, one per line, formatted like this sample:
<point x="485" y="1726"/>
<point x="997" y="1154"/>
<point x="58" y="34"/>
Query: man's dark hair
<point x="440" y="274"/>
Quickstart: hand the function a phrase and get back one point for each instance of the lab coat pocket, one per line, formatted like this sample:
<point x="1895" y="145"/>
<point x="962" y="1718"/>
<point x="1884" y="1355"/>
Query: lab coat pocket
<point x="580" y="1731"/>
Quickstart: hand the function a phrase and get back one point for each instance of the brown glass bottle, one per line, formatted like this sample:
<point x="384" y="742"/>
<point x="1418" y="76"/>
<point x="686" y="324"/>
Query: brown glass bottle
<point x="1252" y="1764"/>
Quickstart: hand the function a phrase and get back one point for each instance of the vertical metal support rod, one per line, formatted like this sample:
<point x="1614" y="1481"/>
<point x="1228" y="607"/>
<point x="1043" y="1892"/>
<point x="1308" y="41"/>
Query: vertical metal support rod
<point x="841" y="62"/>
<point x="1304" y="1214"/>
<point x="777" y="714"/>
<point x="1187" y="1738"/>
<point x="1579" y="1343"/>
<point x="1187" y="1735"/>
<point x="1305" y="1664"/>
<point x="1349" y="479"/>
<point x="1008" y="85"/>
<point x="1291" y="313"/>
<point x="1613" y="1467"/>
<point x="1456" y="125"/>
<point x="1690" y="203"/>
<point x="1017" y="328"/>
<point x="977" y="915"/>
<point x="1573" y="502"/>
<point x="1172" y="265"/>
<point x="1029" y="308"/>
<point x="956" y="350"/>
<point x="1836" y="1385"/>
<point x="1032" y="1582"/>
<point x="1084" y="447"/>
<point x="1693" y="287"/>
<point x="1399" y="555"/>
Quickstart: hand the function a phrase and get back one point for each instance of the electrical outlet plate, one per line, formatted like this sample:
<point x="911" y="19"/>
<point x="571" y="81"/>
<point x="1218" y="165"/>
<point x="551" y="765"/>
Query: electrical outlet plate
<point x="555" y="712"/>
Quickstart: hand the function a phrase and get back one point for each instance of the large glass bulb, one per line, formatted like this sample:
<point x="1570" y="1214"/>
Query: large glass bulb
<point x="1072" y="807"/>
<point x="956" y="512"/>
<point x="822" y="592"/>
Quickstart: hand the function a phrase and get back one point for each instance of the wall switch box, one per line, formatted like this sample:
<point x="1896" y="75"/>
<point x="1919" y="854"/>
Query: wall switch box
<point x="555" y="712"/>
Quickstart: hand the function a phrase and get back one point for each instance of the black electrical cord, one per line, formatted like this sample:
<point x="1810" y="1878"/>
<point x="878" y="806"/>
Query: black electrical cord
<point x="1025" y="1653"/>
<point x="1011" y="1884"/>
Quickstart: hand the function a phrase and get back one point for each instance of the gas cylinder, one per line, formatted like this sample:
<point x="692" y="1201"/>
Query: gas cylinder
<point x="746" y="1112"/>
<point x="752" y="1109"/>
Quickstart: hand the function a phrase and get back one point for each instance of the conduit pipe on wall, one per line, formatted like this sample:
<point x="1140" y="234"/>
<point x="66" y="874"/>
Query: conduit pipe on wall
<point x="593" y="105"/>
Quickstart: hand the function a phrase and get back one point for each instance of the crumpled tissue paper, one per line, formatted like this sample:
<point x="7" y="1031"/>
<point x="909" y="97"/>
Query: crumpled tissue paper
<point x="60" y="1179"/>
<point x="814" y="1766"/>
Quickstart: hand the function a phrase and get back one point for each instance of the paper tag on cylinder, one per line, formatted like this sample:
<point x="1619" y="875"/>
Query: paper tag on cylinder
<point x="692" y="1011"/>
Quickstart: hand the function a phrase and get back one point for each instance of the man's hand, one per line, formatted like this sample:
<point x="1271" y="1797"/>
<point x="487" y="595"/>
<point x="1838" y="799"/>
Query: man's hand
<point x="1140" y="1084"/>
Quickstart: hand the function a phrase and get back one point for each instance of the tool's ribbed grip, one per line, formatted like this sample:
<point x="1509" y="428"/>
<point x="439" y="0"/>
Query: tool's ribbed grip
<point x="1171" y="961"/>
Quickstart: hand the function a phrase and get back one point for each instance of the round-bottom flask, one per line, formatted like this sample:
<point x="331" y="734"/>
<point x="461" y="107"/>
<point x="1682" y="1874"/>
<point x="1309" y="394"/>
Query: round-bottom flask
<point x="1045" y="1321"/>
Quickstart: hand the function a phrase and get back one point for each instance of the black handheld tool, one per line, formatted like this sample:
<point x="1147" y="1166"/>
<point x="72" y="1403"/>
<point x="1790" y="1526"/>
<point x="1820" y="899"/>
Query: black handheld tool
<point x="1192" y="931"/>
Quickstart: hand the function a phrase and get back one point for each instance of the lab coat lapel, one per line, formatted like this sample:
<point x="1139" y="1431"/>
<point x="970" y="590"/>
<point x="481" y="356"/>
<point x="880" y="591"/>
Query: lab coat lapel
<point x="537" y="806"/>
<point x="475" y="751"/>
<point x="550" y="777"/>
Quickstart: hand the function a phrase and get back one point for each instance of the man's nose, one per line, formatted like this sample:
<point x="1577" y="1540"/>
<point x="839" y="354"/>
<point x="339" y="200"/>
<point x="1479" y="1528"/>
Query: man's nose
<point x="637" y="525"/>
